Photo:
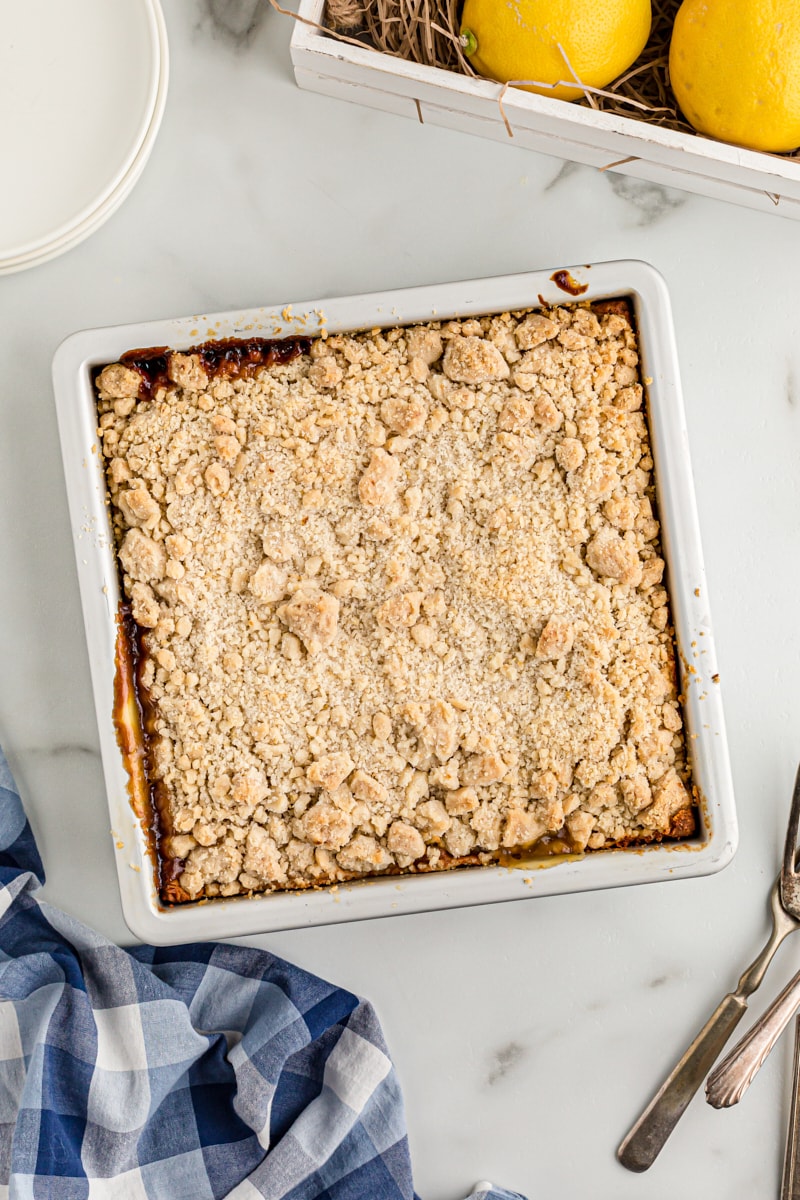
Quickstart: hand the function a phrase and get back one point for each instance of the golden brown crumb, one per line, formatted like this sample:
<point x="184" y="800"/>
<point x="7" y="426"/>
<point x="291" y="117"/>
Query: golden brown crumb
<point x="400" y="600"/>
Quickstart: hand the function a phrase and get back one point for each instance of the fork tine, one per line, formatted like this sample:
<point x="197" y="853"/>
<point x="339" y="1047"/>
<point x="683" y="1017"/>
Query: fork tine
<point x="790" y="847"/>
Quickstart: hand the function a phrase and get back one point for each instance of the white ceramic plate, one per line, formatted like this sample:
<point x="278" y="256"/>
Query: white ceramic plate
<point x="710" y="849"/>
<point x="82" y="92"/>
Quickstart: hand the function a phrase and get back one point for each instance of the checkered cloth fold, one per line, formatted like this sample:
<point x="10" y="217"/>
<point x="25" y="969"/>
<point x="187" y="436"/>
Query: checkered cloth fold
<point x="194" y="1072"/>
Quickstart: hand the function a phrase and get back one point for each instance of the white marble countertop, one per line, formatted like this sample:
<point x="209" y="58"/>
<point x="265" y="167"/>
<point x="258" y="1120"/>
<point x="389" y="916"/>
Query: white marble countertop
<point x="527" y="1036"/>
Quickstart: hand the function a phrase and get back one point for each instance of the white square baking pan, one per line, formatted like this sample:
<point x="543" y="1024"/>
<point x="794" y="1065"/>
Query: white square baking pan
<point x="707" y="851"/>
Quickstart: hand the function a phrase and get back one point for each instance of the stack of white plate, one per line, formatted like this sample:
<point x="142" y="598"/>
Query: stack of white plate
<point x="82" y="90"/>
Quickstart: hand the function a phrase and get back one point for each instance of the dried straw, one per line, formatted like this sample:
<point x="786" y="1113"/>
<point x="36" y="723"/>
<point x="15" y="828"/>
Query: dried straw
<point x="420" y="31"/>
<point x="345" y="14"/>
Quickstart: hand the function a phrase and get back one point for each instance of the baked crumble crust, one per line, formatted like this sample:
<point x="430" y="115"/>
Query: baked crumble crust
<point x="400" y="600"/>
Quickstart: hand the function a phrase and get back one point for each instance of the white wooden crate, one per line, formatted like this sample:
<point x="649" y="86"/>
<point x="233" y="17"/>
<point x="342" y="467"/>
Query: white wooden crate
<point x="428" y="94"/>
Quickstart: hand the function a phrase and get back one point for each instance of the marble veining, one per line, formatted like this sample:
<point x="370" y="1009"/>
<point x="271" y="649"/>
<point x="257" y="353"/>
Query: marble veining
<point x="236" y="21"/>
<point x="62" y="750"/>
<point x="507" y="1058"/>
<point x="651" y="200"/>
<point x="564" y="172"/>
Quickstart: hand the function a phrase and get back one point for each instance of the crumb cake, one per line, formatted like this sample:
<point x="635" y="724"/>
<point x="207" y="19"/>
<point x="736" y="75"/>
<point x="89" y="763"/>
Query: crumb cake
<point x="393" y="600"/>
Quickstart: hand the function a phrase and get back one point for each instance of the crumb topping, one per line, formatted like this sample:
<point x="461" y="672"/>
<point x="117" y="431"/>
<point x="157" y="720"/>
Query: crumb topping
<point x="400" y="599"/>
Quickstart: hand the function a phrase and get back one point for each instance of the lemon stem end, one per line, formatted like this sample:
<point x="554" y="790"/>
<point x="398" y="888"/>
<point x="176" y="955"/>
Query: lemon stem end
<point x="469" y="43"/>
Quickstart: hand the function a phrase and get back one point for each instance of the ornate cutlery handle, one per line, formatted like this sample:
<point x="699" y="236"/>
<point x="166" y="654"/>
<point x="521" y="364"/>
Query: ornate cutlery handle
<point x="729" y="1082"/>
<point x="790" y="1181"/>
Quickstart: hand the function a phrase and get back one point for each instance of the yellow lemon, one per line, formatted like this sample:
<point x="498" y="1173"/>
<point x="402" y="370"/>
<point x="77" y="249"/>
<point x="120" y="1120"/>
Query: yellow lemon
<point x="734" y="66"/>
<point x="520" y="39"/>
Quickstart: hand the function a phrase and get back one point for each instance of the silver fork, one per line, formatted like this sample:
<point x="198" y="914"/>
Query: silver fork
<point x="731" y="1079"/>
<point x="642" y="1145"/>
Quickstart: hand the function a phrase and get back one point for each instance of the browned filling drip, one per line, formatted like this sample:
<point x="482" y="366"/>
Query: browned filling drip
<point x="563" y="280"/>
<point x="233" y="358"/>
<point x="135" y="739"/>
<point x="619" y="306"/>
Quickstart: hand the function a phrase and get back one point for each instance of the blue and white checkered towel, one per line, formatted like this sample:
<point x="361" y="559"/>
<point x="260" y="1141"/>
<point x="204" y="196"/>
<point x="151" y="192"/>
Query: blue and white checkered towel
<point x="194" y="1072"/>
